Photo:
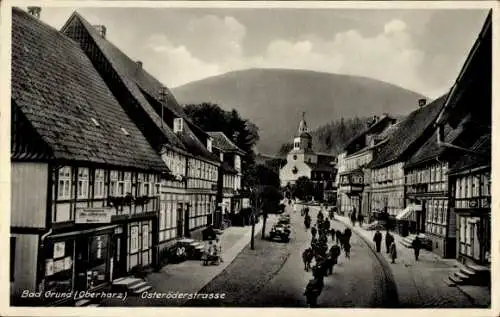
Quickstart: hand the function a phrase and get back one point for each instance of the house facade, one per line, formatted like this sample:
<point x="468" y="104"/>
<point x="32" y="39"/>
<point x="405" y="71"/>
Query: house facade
<point x="86" y="183"/>
<point x="230" y="198"/>
<point x="354" y="176"/>
<point x="469" y="105"/>
<point x="387" y="166"/>
<point x="302" y="161"/>
<point x="188" y="198"/>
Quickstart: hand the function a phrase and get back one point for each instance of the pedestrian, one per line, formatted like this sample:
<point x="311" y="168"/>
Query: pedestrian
<point x="353" y="217"/>
<point x="377" y="238"/>
<point x="314" y="231"/>
<point x="307" y="221"/>
<point x="388" y="240"/>
<point x="332" y="233"/>
<point x="347" y="249"/>
<point x="347" y="234"/>
<point x="307" y="257"/>
<point x="218" y="247"/>
<point x="338" y="236"/>
<point x="333" y="257"/>
<point x="312" y="291"/>
<point x="416" y="244"/>
<point x="393" y="252"/>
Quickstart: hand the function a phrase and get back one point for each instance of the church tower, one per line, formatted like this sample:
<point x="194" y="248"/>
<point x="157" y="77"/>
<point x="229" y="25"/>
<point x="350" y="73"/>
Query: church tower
<point x="303" y="140"/>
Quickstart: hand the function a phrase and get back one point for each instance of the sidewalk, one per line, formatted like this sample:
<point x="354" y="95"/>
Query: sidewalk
<point x="191" y="276"/>
<point x="423" y="283"/>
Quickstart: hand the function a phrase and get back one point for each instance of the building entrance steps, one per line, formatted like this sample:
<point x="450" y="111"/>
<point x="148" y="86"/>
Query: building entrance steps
<point x="425" y="283"/>
<point x="189" y="277"/>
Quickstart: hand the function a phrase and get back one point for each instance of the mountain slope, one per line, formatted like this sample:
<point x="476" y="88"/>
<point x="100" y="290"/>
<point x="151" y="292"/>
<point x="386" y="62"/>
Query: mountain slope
<point x="274" y="99"/>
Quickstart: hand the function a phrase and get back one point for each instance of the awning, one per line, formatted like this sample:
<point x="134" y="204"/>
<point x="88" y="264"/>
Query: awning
<point x="408" y="212"/>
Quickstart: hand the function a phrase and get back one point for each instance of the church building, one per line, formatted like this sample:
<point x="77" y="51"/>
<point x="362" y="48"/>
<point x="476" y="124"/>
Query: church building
<point x="302" y="160"/>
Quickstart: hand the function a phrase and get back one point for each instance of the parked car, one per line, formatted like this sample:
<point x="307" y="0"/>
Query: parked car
<point x="281" y="232"/>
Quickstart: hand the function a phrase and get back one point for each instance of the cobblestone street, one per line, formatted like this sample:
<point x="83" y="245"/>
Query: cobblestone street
<point x="272" y="275"/>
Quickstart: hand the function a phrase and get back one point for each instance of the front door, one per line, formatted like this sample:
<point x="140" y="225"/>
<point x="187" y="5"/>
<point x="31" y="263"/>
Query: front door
<point x="187" y="232"/>
<point x="180" y="220"/>
<point x="119" y="254"/>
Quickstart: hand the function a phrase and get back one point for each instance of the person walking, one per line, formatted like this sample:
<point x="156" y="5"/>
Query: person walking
<point x="347" y="249"/>
<point x="377" y="238"/>
<point x="353" y="217"/>
<point x="417" y="245"/>
<point x="333" y="256"/>
<point x="393" y="252"/>
<point x="314" y="231"/>
<point x="313" y="290"/>
<point x="388" y="240"/>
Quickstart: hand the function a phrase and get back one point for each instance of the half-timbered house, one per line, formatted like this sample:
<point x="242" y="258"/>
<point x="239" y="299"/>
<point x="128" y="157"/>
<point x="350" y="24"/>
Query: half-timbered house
<point x="85" y="181"/>
<point x="387" y="173"/>
<point x="188" y="199"/>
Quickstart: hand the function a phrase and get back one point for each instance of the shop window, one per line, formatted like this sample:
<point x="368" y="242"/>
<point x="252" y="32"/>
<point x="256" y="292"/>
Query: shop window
<point x="83" y="182"/>
<point x="64" y="186"/>
<point x="98" y="260"/>
<point x="59" y="266"/>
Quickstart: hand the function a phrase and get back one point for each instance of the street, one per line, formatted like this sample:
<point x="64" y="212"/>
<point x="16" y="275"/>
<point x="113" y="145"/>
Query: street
<point x="272" y="275"/>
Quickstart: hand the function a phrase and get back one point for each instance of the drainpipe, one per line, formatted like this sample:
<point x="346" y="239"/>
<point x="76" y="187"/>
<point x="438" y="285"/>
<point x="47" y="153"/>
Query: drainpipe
<point x="440" y="142"/>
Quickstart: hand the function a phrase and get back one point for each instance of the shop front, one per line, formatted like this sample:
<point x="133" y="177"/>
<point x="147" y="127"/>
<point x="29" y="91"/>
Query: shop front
<point x="474" y="236"/>
<point x="79" y="260"/>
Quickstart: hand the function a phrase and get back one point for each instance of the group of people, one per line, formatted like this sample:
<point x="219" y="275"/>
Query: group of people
<point x="390" y="245"/>
<point x="359" y="218"/>
<point x="324" y="258"/>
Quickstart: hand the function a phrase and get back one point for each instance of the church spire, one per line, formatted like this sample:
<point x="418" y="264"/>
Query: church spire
<point x="303" y="125"/>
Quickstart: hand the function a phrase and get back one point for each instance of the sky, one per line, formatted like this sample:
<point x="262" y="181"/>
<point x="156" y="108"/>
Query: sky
<point x="421" y="50"/>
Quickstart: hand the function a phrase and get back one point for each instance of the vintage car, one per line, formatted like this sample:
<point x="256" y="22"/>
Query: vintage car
<point x="280" y="231"/>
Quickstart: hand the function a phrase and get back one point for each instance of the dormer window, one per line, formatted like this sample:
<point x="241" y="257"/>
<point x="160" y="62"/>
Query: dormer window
<point x="178" y="125"/>
<point x="221" y="155"/>
<point x="96" y="123"/>
<point x="237" y="162"/>
<point x="209" y="144"/>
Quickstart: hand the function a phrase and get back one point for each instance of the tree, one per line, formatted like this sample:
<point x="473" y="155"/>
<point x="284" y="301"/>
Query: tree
<point x="245" y="134"/>
<point x="303" y="188"/>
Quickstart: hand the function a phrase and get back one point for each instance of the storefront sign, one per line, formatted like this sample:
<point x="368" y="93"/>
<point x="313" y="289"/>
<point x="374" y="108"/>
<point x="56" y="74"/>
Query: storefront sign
<point x="93" y="215"/>
<point x="59" y="248"/>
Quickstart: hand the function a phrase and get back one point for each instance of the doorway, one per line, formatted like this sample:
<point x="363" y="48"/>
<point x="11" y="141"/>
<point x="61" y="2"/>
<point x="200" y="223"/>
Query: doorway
<point x="180" y="220"/>
<point x="119" y="252"/>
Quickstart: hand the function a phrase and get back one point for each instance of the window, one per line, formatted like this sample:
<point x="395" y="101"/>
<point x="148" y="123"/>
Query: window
<point x="121" y="184"/>
<point x="134" y="239"/>
<point x="113" y="183"/>
<point x="145" y="237"/>
<point x="209" y="144"/>
<point x="83" y="182"/>
<point x="157" y="185"/>
<point x="178" y="125"/>
<point x="140" y="179"/>
<point x="12" y="258"/>
<point x="64" y="189"/>
<point x="99" y="183"/>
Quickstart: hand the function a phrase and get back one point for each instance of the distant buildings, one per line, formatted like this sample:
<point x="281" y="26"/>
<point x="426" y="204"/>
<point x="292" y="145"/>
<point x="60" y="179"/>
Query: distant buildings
<point x="354" y="176"/>
<point x="302" y="161"/>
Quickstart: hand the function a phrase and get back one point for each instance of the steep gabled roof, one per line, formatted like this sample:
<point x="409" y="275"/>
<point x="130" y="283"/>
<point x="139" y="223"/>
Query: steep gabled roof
<point x="408" y="132"/>
<point x="476" y="69"/>
<point x="222" y="142"/>
<point x="58" y="91"/>
<point x="384" y="119"/>
<point x="431" y="150"/>
<point x="143" y="86"/>
<point x="468" y="161"/>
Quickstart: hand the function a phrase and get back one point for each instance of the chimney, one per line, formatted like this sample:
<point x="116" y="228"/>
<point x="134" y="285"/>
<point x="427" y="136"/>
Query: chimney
<point x="139" y="65"/>
<point x="422" y="102"/>
<point x="35" y="11"/>
<point x="102" y="30"/>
